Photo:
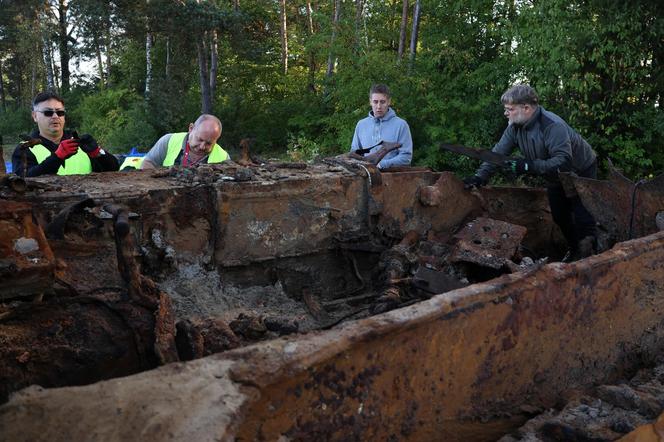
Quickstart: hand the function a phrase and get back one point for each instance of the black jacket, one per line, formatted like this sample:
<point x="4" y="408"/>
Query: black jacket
<point x="50" y="166"/>
<point x="548" y="142"/>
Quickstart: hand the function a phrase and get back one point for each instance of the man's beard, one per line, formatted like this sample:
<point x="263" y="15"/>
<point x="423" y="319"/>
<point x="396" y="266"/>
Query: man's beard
<point x="518" y="121"/>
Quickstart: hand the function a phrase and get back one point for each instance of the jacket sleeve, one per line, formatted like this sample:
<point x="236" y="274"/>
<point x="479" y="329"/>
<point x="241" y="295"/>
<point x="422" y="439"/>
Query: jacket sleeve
<point x="356" y="143"/>
<point x="404" y="154"/>
<point x="49" y="166"/>
<point x="504" y="146"/>
<point x="105" y="163"/>
<point x="559" y="147"/>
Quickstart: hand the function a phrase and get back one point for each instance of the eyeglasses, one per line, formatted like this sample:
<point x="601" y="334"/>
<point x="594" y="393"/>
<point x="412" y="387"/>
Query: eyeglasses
<point x="50" y="112"/>
<point x="512" y="108"/>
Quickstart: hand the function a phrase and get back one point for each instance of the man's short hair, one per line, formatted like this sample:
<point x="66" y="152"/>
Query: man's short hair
<point x="380" y="89"/>
<point x="206" y="117"/>
<point x="45" y="96"/>
<point x="520" y="94"/>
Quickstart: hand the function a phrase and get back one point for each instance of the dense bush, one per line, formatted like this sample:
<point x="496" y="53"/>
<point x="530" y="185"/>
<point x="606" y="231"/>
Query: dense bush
<point x="14" y="122"/>
<point x="117" y="118"/>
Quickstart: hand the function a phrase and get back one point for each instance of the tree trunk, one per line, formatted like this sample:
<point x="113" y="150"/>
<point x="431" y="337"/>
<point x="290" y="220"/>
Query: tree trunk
<point x="236" y="5"/>
<point x="3" y="101"/>
<point x="48" y="62"/>
<point x="206" y="101"/>
<point x="33" y="76"/>
<point x="284" y="36"/>
<point x="404" y="26"/>
<point x="359" y="14"/>
<point x="19" y="89"/>
<point x="312" y="54"/>
<point x="214" y="64"/>
<point x="64" y="45"/>
<point x="511" y="10"/>
<point x="56" y="71"/>
<point x="168" y="59"/>
<point x="148" y="65"/>
<point x="100" y="64"/>
<point x="331" y="60"/>
<point x="46" y="51"/>
<point x="413" y="36"/>
<point x="107" y="44"/>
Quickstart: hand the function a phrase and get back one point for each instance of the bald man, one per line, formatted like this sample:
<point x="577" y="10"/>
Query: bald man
<point x="197" y="146"/>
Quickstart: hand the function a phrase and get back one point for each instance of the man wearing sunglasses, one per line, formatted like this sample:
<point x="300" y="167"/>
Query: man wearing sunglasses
<point x="548" y="145"/>
<point x="59" y="152"/>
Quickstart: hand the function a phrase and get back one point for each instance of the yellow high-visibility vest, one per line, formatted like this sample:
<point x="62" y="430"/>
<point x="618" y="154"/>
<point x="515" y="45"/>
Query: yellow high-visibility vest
<point x="134" y="162"/>
<point x="217" y="154"/>
<point x="77" y="164"/>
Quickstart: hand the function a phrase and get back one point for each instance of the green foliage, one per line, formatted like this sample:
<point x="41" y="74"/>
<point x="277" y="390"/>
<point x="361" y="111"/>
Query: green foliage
<point x="596" y="63"/>
<point x="117" y="119"/>
<point x="302" y="149"/>
<point x="14" y="122"/>
<point x="602" y="74"/>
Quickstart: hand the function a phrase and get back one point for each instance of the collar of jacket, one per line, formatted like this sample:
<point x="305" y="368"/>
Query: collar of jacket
<point x="536" y="115"/>
<point x="388" y="115"/>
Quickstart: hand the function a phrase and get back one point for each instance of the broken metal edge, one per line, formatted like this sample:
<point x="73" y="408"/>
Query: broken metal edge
<point x="223" y="395"/>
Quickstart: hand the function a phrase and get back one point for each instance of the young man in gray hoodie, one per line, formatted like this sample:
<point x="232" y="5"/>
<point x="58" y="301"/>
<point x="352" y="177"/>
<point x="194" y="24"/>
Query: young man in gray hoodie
<point x="382" y="128"/>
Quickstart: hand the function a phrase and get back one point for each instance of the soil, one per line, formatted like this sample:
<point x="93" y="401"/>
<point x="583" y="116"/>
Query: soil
<point x="200" y="293"/>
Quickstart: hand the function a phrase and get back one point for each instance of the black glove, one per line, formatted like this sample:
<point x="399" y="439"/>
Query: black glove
<point x="519" y="166"/>
<point x="87" y="143"/>
<point x="473" y="181"/>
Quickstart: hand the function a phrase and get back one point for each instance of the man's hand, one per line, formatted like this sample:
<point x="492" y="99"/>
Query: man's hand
<point x="519" y="166"/>
<point x="473" y="181"/>
<point x="89" y="145"/>
<point x="66" y="148"/>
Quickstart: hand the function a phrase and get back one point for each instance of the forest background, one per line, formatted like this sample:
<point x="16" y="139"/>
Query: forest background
<point x="294" y="74"/>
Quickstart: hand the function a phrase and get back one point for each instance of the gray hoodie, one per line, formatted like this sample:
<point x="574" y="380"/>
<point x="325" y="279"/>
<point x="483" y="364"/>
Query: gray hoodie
<point x="371" y="130"/>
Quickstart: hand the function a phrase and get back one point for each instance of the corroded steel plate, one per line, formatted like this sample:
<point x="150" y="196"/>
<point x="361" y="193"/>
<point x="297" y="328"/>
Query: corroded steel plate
<point x="488" y="242"/>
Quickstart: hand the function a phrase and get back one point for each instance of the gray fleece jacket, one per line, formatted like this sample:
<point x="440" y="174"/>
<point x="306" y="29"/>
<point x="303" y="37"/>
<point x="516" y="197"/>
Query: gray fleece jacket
<point x="549" y="143"/>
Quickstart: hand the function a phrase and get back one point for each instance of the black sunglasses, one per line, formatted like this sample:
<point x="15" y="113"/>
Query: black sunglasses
<point x="49" y="113"/>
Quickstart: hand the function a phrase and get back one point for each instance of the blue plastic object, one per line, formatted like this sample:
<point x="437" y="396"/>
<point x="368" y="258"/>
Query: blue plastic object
<point x="135" y="153"/>
<point x="8" y="166"/>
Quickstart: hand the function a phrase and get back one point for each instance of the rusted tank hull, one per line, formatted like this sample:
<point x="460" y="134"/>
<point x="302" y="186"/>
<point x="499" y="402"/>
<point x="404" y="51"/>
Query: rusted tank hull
<point x="466" y="365"/>
<point x="74" y="341"/>
<point x="26" y="259"/>
<point x="486" y="354"/>
<point x="470" y="364"/>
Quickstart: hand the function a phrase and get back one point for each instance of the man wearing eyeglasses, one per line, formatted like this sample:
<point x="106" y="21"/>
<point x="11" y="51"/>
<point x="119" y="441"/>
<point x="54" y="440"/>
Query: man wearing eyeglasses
<point x="548" y="146"/>
<point x="59" y="152"/>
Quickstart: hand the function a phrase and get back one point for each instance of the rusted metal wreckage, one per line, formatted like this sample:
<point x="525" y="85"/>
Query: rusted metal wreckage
<point x="293" y="302"/>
